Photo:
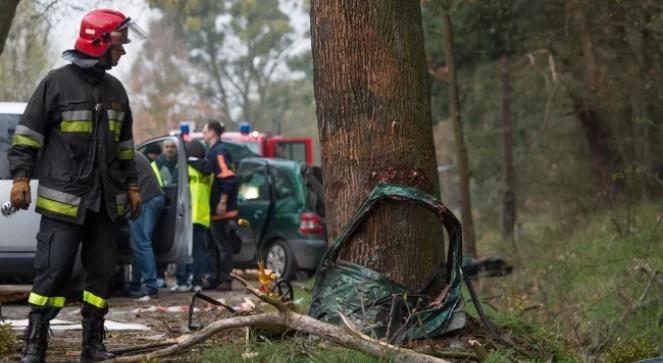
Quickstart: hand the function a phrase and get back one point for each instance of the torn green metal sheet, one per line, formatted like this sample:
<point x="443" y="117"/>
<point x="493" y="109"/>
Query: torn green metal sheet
<point x="379" y="306"/>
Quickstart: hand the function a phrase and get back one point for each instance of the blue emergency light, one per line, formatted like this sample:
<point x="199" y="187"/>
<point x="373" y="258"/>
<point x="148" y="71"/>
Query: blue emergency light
<point x="184" y="128"/>
<point x="244" y="128"/>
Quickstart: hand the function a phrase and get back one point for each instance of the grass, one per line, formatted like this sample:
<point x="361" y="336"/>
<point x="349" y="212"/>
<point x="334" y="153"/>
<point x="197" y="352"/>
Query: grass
<point x="295" y="350"/>
<point x="571" y="296"/>
<point x="580" y="283"/>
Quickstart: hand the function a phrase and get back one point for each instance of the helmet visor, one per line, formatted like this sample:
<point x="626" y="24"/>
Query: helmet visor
<point x="121" y="33"/>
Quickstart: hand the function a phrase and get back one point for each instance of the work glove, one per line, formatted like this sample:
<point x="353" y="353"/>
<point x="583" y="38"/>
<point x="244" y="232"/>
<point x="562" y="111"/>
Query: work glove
<point x="222" y="206"/>
<point x="134" y="200"/>
<point x="20" y="194"/>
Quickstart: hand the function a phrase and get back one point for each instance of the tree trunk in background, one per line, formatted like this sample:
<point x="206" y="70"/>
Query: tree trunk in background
<point x="603" y="155"/>
<point x="509" y="197"/>
<point x="469" y="243"/>
<point x="373" y="106"/>
<point x="7" y="11"/>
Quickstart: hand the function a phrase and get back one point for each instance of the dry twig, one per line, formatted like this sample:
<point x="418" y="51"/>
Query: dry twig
<point x="347" y="336"/>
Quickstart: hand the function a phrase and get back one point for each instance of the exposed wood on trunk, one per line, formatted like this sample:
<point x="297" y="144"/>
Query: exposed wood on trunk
<point x="509" y="197"/>
<point x="373" y="107"/>
<point x="7" y="12"/>
<point x="469" y="243"/>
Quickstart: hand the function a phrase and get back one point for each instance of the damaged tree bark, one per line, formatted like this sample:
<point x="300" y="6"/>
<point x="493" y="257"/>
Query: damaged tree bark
<point x="346" y="336"/>
<point x="372" y="95"/>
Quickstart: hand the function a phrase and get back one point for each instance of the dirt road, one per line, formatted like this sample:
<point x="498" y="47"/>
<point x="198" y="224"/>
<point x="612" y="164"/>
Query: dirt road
<point x="163" y="318"/>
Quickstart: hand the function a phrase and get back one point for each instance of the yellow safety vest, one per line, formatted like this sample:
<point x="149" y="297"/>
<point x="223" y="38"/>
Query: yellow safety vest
<point x="201" y="189"/>
<point x="155" y="168"/>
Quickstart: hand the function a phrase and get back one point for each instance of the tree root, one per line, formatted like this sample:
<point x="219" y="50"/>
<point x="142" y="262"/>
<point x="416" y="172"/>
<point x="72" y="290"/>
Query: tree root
<point x="347" y="336"/>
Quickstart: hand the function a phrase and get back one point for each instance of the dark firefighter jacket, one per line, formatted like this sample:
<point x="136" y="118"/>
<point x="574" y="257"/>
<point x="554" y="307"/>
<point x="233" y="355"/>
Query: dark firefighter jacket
<point x="219" y="163"/>
<point x="75" y="137"/>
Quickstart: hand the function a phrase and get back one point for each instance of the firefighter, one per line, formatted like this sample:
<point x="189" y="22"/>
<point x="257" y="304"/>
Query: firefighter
<point x="75" y="137"/>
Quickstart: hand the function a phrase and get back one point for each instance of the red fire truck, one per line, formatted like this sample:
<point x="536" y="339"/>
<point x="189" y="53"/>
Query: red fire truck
<point x="265" y="144"/>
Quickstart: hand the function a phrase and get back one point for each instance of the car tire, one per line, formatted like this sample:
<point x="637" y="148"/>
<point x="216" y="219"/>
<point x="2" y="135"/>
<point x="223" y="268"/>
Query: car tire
<point x="281" y="260"/>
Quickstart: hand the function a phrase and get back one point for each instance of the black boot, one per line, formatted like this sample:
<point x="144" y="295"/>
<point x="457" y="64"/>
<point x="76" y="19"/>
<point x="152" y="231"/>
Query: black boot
<point x="36" y="339"/>
<point x="93" y="341"/>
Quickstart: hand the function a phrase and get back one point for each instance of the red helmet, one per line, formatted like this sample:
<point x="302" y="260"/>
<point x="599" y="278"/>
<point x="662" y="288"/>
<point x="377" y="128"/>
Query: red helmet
<point x="102" y="28"/>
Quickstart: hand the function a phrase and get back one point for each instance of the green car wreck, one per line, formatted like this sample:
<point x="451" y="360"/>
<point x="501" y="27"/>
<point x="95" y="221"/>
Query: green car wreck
<point x="282" y="200"/>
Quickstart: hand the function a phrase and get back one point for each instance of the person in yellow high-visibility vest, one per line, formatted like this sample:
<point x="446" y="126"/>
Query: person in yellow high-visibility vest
<point x="189" y="276"/>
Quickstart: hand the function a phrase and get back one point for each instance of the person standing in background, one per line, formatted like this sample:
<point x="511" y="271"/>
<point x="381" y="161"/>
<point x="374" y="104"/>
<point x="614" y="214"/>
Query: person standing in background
<point x="143" y="265"/>
<point x="223" y="205"/>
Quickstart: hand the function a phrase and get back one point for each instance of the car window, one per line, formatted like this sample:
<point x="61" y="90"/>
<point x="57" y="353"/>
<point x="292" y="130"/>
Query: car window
<point x="163" y="157"/>
<point x="253" y="182"/>
<point x="8" y="124"/>
<point x="282" y="184"/>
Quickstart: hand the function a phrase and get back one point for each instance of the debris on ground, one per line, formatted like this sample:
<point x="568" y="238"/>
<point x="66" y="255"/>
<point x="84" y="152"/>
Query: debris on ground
<point x="61" y="325"/>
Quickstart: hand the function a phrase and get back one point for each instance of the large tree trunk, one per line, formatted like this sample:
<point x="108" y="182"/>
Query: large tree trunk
<point x="469" y="242"/>
<point x="509" y="197"/>
<point x="373" y="106"/>
<point x="7" y="11"/>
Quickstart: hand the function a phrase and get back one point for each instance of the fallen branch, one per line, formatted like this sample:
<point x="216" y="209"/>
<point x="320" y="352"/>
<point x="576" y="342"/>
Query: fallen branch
<point x="138" y="348"/>
<point x="449" y="354"/>
<point x="346" y="336"/>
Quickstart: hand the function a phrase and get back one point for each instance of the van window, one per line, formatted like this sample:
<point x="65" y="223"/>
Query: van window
<point x="292" y="151"/>
<point x="8" y="123"/>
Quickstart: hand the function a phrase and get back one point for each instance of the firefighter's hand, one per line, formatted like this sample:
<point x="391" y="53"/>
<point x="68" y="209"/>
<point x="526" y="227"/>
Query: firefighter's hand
<point x="222" y="206"/>
<point x="134" y="201"/>
<point x="20" y="194"/>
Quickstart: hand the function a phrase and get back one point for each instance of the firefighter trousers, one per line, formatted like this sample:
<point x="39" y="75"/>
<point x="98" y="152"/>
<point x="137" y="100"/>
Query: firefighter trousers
<point x="221" y="251"/>
<point x="57" y="247"/>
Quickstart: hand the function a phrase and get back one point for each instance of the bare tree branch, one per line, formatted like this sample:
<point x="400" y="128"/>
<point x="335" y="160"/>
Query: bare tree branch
<point x="347" y="336"/>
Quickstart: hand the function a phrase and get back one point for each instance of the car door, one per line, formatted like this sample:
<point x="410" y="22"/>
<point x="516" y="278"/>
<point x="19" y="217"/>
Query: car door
<point x="21" y="226"/>
<point x="18" y="242"/>
<point x="173" y="235"/>
<point x="254" y="200"/>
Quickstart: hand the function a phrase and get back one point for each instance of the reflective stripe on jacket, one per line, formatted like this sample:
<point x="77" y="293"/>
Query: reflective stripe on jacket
<point x="75" y="136"/>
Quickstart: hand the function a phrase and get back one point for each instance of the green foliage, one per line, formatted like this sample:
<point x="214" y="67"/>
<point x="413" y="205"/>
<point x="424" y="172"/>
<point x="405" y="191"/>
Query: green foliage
<point x="630" y="350"/>
<point x="578" y="280"/>
<point x="241" y="49"/>
<point x="500" y="356"/>
<point x="620" y="78"/>
<point x="7" y="339"/>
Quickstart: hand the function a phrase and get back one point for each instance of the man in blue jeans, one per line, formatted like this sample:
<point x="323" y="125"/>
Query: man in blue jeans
<point x="143" y="265"/>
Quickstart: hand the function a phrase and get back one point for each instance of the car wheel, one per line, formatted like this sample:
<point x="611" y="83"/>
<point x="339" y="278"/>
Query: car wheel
<point x="281" y="260"/>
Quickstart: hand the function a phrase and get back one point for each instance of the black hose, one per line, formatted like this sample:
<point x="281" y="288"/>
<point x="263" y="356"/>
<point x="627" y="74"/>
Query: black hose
<point x="484" y="319"/>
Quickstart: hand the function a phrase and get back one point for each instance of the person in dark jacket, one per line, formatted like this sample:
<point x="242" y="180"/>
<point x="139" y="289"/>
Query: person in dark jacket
<point x="76" y="137"/>
<point x="143" y="265"/>
<point x="223" y="206"/>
